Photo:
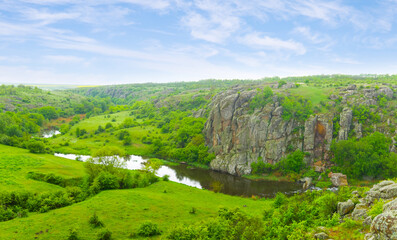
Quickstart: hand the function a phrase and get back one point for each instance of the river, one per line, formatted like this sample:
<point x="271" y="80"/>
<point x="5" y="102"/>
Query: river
<point x="204" y="178"/>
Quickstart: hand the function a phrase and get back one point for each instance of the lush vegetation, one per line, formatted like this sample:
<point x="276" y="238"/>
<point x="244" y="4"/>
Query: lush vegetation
<point x="53" y="198"/>
<point x="369" y="156"/>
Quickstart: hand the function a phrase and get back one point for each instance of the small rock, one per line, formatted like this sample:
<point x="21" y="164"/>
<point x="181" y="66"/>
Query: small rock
<point x="367" y="221"/>
<point x="338" y="179"/>
<point x="355" y="193"/>
<point x="345" y="207"/>
<point x="321" y="235"/>
<point x="307" y="182"/>
<point x="351" y="87"/>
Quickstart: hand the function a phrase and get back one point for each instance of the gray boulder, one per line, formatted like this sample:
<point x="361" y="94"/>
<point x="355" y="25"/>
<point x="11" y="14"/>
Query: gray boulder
<point x="321" y="235"/>
<point x="338" y="179"/>
<point x="384" y="226"/>
<point x="345" y="207"/>
<point x="360" y="212"/>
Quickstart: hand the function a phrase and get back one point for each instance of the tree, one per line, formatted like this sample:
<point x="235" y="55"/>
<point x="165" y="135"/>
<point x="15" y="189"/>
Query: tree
<point x="108" y="158"/>
<point x="36" y="146"/>
<point x="48" y="112"/>
<point x="152" y="165"/>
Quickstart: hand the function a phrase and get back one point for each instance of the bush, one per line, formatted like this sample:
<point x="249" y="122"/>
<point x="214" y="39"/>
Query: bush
<point x="279" y="200"/>
<point x="166" y="178"/>
<point x="377" y="208"/>
<point x="95" y="222"/>
<point x="36" y="146"/>
<point x="105" y="235"/>
<point x="293" y="162"/>
<point x="107" y="180"/>
<point x="261" y="167"/>
<point x="73" y="234"/>
<point x="148" y="229"/>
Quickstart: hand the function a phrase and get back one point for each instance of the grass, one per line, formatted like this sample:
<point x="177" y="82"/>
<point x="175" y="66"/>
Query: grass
<point x="122" y="211"/>
<point x="270" y="177"/>
<point x="314" y="94"/>
<point x="15" y="163"/>
<point x="91" y="141"/>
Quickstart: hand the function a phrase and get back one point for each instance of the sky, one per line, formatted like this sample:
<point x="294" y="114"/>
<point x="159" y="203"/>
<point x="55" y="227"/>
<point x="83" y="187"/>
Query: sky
<point x="92" y="42"/>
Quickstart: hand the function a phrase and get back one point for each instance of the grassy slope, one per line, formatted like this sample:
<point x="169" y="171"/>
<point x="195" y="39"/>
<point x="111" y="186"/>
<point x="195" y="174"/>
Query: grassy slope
<point x="86" y="145"/>
<point x="314" y="94"/>
<point x="15" y="163"/>
<point x="122" y="211"/>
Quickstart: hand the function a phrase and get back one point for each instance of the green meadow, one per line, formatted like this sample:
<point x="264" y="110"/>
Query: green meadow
<point x="122" y="211"/>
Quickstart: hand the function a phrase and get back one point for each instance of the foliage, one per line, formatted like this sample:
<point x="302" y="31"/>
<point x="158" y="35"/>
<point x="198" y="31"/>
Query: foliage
<point x="292" y="162"/>
<point x="261" y="167"/>
<point x="36" y="146"/>
<point x="262" y="98"/>
<point x="105" y="235"/>
<point x="296" y="107"/>
<point x="300" y="213"/>
<point x="377" y="208"/>
<point x="149" y="229"/>
<point x="73" y="234"/>
<point x="368" y="156"/>
<point x="95" y="222"/>
<point x="230" y="224"/>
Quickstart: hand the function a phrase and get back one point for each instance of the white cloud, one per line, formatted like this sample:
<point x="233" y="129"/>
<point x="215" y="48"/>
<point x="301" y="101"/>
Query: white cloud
<point x="64" y="58"/>
<point x="313" y="37"/>
<point x="346" y="60"/>
<point x="257" y="40"/>
<point x="214" y="28"/>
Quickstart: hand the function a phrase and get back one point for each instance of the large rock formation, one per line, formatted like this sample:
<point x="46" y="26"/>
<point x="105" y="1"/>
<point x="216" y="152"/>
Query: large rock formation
<point x="239" y="138"/>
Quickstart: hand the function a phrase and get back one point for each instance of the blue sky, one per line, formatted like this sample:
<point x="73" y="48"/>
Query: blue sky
<point x="134" y="41"/>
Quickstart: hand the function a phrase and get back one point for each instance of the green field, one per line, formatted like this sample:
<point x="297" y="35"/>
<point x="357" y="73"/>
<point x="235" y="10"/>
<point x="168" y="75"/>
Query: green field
<point x="85" y="145"/>
<point x="165" y="203"/>
<point x="122" y="211"/>
<point x="15" y="163"/>
<point x="314" y="94"/>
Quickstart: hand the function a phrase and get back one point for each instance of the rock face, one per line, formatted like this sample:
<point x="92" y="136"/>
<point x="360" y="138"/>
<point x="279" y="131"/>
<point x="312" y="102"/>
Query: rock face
<point x="345" y="207"/>
<point x="338" y="179"/>
<point x="239" y="138"/>
<point x="384" y="226"/>
<point x="345" y="123"/>
<point x="386" y="190"/>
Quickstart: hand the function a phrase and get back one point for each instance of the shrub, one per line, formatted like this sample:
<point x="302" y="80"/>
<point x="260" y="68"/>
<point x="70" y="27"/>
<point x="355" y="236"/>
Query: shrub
<point x="293" y="162"/>
<point x="73" y="234"/>
<point x="36" y="146"/>
<point x="166" y="178"/>
<point x="105" y="235"/>
<point x="279" y="200"/>
<point x="95" y="222"/>
<point x="148" y="229"/>
<point x="377" y="208"/>
<point x="107" y="180"/>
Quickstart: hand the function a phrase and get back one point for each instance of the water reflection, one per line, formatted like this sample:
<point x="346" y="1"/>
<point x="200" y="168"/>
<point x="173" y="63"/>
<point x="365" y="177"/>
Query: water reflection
<point x="50" y="133"/>
<point x="203" y="178"/>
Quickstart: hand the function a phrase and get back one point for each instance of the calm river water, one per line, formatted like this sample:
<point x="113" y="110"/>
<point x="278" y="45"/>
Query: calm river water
<point x="204" y="178"/>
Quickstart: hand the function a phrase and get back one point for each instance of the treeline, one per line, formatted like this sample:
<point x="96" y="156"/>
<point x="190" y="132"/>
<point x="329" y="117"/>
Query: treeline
<point x="185" y="140"/>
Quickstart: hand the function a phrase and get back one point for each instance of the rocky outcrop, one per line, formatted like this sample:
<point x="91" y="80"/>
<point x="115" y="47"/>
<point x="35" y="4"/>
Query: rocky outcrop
<point x="384" y="226"/>
<point x="345" y="207"/>
<point x="239" y="138"/>
<point x="345" y="123"/>
<point x="338" y="179"/>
